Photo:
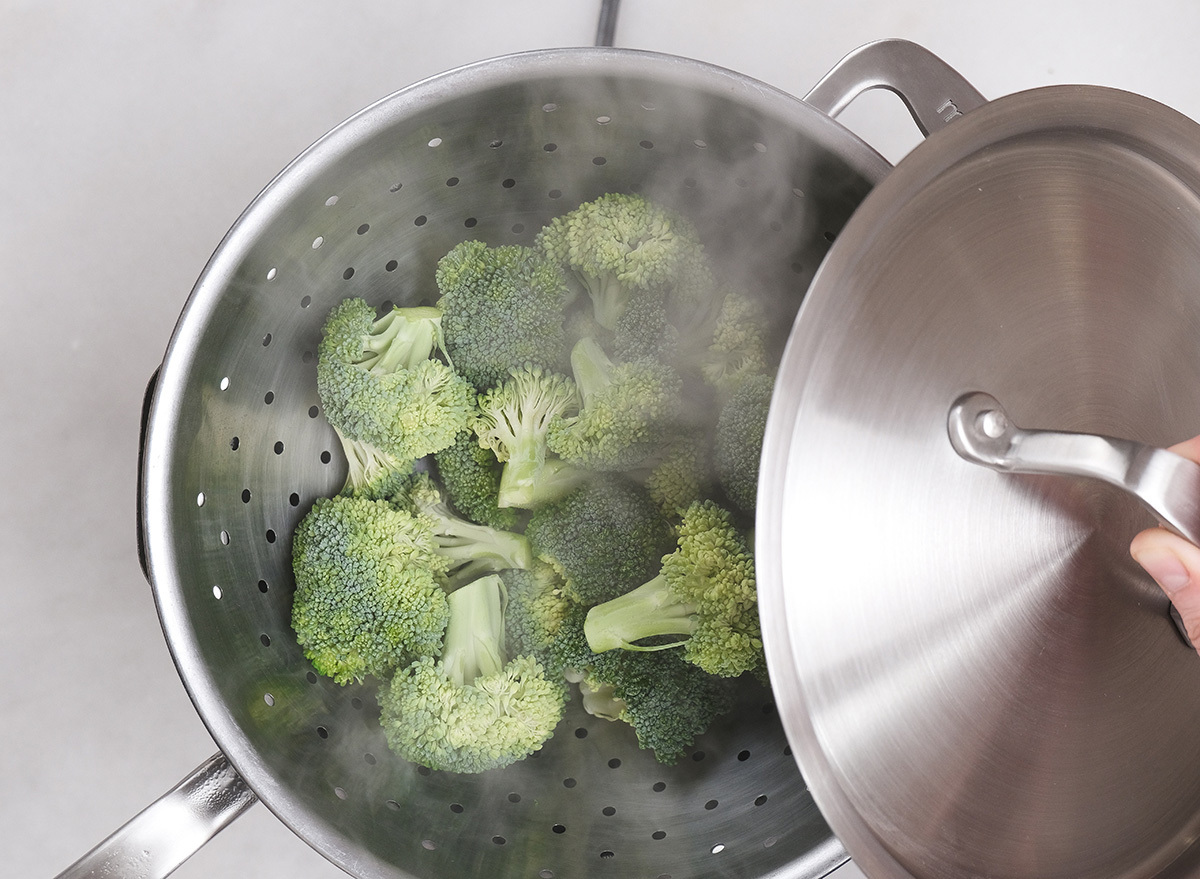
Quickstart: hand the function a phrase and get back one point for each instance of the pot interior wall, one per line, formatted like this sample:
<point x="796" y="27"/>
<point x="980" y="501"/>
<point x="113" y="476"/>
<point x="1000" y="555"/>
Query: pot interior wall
<point x="237" y="450"/>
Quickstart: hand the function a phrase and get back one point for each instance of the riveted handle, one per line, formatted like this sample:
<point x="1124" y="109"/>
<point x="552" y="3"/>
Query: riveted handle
<point x="1169" y="484"/>
<point x="934" y="92"/>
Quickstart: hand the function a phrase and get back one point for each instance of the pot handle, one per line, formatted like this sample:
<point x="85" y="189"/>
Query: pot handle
<point x="934" y="92"/>
<point x="172" y="828"/>
<point x="147" y="397"/>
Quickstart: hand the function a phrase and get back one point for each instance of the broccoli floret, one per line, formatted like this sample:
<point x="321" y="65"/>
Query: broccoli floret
<point x="379" y="385"/>
<point x="371" y="473"/>
<point x="368" y="597"/>
<point x="603" y="539"/>
<point x="644" y="330"/>
<point x="693" y="297"/>
<point x="704" y="596"/>
<point x="738" y="439"/>
<point x="720" y="335"/>
<point x="738" y="349"/>
<point x="628" y="410"/>
<point x="399" y="339"/>
<point x="581" y="323"/>
<point x="619" y="245"/>
<point x="667" y="700"/>
<point x="470" y="550"/>
<point x="537" y="606"/>
<point x="543" y="621"/>
<point x="475" y="708"/>
<point x="502" y="307"/>
<point x="513" y="421"/>
<point x="680" y="474"/>
<point x="470" y="476"/>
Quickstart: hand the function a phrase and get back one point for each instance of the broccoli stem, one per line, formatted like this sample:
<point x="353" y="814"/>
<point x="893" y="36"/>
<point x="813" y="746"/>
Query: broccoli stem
<point x="369" y="471"/>
<point x="601" y="700"/>
<point x="401" y="339"/>
<point x="474" y="550"/>
<point x="591" y="368"/>
<point x="609" y="298"/>
<point x="463" y="542"/>
<point x="532" y="480"/>
<point x="519" y="477"/>
<point x="474" y="640"/>
<point x="653" y="609"/>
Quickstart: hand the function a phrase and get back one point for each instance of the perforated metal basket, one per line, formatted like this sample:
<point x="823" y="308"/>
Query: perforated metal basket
<point x="236" y="449"/>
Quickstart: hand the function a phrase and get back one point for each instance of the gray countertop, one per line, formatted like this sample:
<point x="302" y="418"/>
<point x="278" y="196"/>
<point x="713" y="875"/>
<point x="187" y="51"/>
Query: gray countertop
<point x="133" y="134"/>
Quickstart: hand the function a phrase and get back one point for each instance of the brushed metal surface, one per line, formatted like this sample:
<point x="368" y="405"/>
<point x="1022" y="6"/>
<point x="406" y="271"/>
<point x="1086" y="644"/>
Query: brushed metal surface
<point x="976" y="678"/>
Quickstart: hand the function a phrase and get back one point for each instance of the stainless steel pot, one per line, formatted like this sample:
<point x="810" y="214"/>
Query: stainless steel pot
<point x="1004" y="692"/>
<point x="235" y="450"/>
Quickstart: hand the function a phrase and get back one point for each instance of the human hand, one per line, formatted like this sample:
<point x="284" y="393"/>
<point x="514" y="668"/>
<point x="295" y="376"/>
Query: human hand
<point x="1173" y="562"/>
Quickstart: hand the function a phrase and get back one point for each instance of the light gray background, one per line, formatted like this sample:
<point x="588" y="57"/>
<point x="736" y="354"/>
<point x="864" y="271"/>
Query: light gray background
<point x="131" y="136"/>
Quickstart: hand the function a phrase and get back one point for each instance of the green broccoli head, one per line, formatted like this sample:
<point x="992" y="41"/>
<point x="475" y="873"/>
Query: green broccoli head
<point x="603" y="539"/>
<point x="513" y="421"/>
<point x="704" y="597"/>
<point x="371" y="473"/>
<point x="474" y="708"/>
<point x="738" y="439"/>
<point x="680" y="473"/>
<point x="537" y="606"/>
<point x="692" y="297"/>
<point x="502" y="307"/>
<point x="666" y="699"/>
<point x="720" y="335"/>
<point x="738" y="349"/>
<point x="644" y="330"/>
<point x="620" y="244"/>
<point x="629" y="411"/>
<point x="368" y="595"/>
<point x="543" y="621"/>
<point x="469" y="550"/>
<point x="400" y="339"/>
<point x="470" y="476"/>
<point x="379" y="386"/>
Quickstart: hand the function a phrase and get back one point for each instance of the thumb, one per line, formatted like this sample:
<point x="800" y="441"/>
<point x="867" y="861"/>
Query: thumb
<point x="1173" y="562"/>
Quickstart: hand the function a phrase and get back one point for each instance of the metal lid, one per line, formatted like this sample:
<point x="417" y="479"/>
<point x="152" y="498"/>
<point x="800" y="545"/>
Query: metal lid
<point x="975" y="677"/>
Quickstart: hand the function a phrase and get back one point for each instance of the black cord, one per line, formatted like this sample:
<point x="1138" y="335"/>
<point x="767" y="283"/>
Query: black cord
<point x="607" y="26"/>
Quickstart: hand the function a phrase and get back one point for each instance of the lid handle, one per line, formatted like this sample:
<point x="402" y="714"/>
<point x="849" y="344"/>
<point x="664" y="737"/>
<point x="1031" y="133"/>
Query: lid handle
<point x="1167" y="483"/>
